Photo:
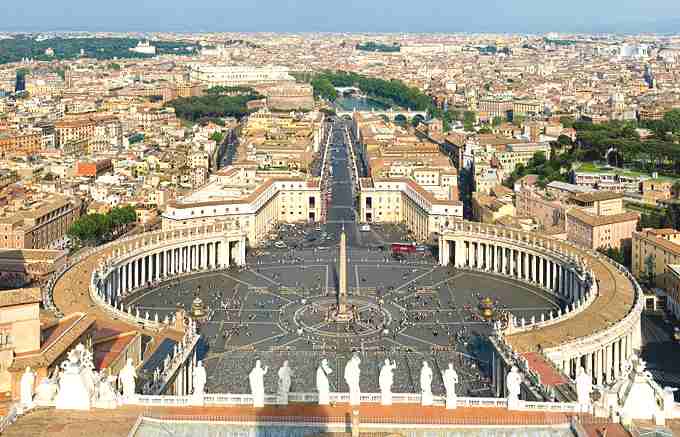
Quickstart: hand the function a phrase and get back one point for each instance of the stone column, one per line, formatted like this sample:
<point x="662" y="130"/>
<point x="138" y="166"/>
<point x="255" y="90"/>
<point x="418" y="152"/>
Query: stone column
<point x="489" y="258"/>
<point x="144" y="260"/>
<point x="608" y="363"/>
<point x="242" y="247"/>
<point x="134" y="268"/>
<point x="616" y="350"/>
<point x="598" y="366"/>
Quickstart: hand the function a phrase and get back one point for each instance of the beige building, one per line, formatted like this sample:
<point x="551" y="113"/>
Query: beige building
<point x="256" y="200"/>
<point x="600" y="231"/>
<point x="598" y="202"/>
<point x="546" y="209"/>
<point x="658" y="247"/>
<point x="490" y="209"/>
<point x="401" y="200"/>
<point x="38" y="224"/>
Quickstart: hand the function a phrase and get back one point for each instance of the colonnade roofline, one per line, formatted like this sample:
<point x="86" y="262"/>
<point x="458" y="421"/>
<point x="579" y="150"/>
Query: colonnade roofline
<point x="612" y="314"/>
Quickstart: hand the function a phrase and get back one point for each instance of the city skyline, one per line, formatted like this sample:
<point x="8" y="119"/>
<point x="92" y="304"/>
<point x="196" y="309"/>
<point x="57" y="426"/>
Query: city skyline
<point x="517" y="16"/>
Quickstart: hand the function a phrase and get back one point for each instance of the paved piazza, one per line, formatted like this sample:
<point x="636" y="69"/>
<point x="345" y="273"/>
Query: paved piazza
<point x="278" y="307"/>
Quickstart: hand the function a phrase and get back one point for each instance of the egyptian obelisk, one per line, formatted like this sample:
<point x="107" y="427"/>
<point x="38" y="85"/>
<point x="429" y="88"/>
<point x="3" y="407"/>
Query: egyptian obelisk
<point x="342" y="273"/>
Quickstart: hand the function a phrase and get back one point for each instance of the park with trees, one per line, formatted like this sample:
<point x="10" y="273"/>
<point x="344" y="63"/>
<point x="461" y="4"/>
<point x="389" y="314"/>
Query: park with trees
<point x="24" y="46"/>
<point x="218" y="103"/>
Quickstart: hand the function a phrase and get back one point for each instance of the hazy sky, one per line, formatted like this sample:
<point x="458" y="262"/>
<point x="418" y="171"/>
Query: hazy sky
<point x="343" y="15"/>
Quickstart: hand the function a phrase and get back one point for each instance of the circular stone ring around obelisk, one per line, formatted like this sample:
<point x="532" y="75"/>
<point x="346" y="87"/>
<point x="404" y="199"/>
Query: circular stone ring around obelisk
<point x="315" y="317"/>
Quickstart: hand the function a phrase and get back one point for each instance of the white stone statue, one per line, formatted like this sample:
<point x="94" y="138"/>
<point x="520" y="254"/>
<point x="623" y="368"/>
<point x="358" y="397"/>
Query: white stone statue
<point x="27" y="383"/>
<point x="584" y="386"/>
<point x="74" y="393"/>
<point x="284" y="382"/>
<point x="322" y="385"/>
<point x="513" y="382"/>
<point x="199" y="379"/>
<point x="385" y="380"/>
<point x="256" y="378"/>
<point x="107" y="397"/>
<point x="127" y="378"/>
<point x="450" y="378"/>
<point x="352" y="376"/>
<point x="426" y="385"/>
<point x="669" y="400"/>
<point x="45" y="392"/>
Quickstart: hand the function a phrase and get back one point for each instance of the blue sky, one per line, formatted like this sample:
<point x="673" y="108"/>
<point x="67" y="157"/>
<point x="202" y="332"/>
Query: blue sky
<point x="343" y="15"/>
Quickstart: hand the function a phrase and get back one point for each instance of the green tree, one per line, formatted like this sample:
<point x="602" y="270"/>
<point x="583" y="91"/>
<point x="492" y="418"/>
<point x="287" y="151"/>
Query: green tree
<point x="217" y="137"/>
<point x="497" y="121"/>
<point x="325" y="89"/>
<point x="518" y="120"/>
<point x="564" y="140"/>
<point x="469" y="117"/>
<point x="567" y="122"/>
<point x="672" y="119"/>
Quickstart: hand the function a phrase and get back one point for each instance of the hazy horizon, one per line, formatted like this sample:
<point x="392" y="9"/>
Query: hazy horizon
<point x="351" y="16"/>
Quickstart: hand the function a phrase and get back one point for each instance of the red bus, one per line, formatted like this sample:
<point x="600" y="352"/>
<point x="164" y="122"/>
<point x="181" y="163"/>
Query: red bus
<point x="403" y="247"/>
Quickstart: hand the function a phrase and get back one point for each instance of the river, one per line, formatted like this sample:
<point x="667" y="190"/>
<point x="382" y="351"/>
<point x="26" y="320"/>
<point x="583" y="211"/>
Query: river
<point x="348" y="103"/>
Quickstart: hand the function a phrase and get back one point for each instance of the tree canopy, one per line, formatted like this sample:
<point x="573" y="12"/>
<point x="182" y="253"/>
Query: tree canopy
<point x="213" y="105"/>
<point x="97" y="228"/>
<point x="23" y="46"/>
<point x="394" y="91"/>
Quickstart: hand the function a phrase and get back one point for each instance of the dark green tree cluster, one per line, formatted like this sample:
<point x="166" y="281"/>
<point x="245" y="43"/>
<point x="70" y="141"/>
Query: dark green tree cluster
<point x="98" y="228"/>
<point x="392" y="91"/>
<point x="324" y="88"/>
<point x="229" y="90"/>
<point x="22" y="46"/>
<point x="372" y="46"/>
<point x="213" y="106"/>
<point x="655" y="154"/>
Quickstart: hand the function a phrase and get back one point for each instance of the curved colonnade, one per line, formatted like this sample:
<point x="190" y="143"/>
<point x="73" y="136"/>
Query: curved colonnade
<point x="148" y="259"/>
<point x="600" y="326"/>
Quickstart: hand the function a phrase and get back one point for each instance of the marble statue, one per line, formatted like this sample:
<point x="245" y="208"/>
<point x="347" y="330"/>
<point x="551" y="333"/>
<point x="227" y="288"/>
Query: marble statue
<point x="199" y="379"/>
<point x="450" y="378"/>
<point x="669" y="399"/>
<point x="352" y="377"/>
<point x="27" y="383"/>
<point x="74" y="391"/>
<point x="385" y="381"/>
<point x="107" y="396"/>
<point x="584" y="386"/>
<point x="322" y="385"/>
<point x="284" y="382"/>
<point x="127" y="378"/>
<point x="426" y="385"/>
<point x="513" y="383"/>
<point x="45" y="392"/>
<point x="256" y="379"/>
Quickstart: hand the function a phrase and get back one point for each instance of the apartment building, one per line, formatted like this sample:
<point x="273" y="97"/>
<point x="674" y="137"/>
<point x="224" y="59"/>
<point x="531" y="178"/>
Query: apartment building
<point x="38" y="224"/>
<point x="656" y="256"/>
<point x="101" y="132"/>
<point x="23" y="142"/>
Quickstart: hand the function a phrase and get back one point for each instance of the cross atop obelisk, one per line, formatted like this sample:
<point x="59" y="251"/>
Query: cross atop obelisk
<point x="342" y="273"/>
